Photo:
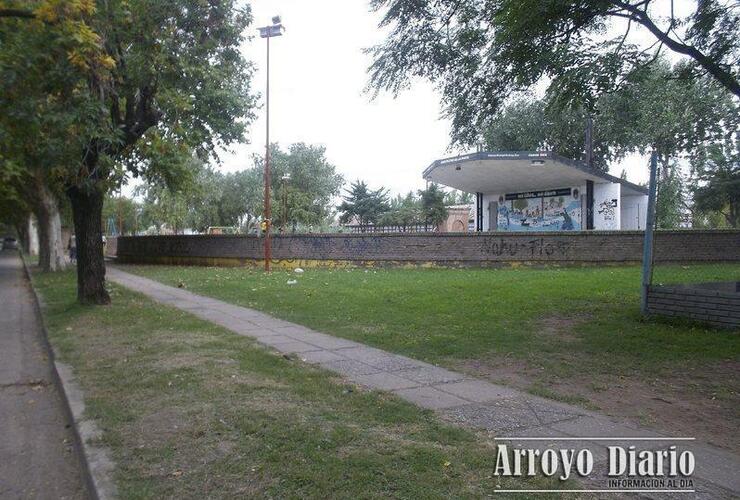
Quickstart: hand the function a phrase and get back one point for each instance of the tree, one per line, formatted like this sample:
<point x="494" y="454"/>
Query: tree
<point x="531" y="124"/>
<point x="306" y="198"/>
<point x="654" y="110"/>
<point x="36" y="127"/>
<point x="433" y="210"/>
<point x="164" y="78"/>
<point x="15" y="209"/>
<point x="718" y="189"/>
<point x="480" y="53"/>
<point x="670" y="206"/>
<point x="668" y="114"/>
<point x="404" y="211"/>
<point x="364" y="204"/>
<point x="455" y="197"/>
<point x="233" y="199"/>
<point x="121" y="215"/>
<point x="165" y="209"/>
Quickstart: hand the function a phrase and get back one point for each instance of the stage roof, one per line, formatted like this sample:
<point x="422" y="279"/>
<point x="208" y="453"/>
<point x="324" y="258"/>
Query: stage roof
<point x="518" y="171"/>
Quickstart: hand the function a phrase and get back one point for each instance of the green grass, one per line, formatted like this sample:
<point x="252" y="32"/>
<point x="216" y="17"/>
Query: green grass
<point x="190" y="410"/>
<point x="562" y="320"/>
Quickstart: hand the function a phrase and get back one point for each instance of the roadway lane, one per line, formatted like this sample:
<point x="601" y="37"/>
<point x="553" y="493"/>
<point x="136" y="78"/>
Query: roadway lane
<point x="37" y="456"/>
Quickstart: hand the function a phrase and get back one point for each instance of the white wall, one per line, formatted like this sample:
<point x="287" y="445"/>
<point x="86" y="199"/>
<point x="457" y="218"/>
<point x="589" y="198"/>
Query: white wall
<point x="634" y="212"/>
<point x="607" y="205"/>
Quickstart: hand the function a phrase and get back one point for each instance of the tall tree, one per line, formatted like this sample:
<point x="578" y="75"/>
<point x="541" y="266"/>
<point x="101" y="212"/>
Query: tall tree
<point x="531" y="124"/>
<point x="167" y="78"/>
<point x="717" y="168"/>
<point x="306" y="197"/>
<point x="364" y="204"/>
<point x="233" y="199"/>
<point x="455" y="197"/>
<point x="671" y="204"/>
<point x="37" y="130"/>
<point x="121" y="215"/>
<point x="404" y="211"/>
<point x="655" y="109"/>
<point x="165" y="209"/>
<point x="433" y="210"/>
<point x="480" y="53"/>
<point x="15" y="208"/>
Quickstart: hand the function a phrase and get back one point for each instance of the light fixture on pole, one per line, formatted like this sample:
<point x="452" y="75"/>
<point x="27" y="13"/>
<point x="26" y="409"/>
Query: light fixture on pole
<point x="285" y="179"/>
<point x="276" y="29"/>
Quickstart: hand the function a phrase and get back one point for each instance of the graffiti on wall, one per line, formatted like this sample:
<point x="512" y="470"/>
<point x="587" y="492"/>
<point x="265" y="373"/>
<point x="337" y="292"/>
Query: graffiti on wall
<point x="607" y="209"/>
<point x="534" y="248"/>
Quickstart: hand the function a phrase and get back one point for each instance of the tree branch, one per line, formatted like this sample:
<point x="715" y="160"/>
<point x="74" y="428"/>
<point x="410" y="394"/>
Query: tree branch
<point x="723" y="76"/>
<point x="18" y="13"/>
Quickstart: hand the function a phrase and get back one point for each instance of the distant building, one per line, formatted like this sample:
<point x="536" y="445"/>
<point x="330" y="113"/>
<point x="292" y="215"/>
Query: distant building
<point x="458" y="219"/>
<point x="541" y="191"/>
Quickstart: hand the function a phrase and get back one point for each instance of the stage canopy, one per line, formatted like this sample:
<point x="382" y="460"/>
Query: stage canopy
<point x="517" y="171"/>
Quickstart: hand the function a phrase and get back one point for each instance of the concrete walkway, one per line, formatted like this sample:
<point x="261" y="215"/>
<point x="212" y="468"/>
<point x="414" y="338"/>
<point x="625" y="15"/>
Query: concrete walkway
<point x="37" y="453"/>
<point x="502" y="411"/>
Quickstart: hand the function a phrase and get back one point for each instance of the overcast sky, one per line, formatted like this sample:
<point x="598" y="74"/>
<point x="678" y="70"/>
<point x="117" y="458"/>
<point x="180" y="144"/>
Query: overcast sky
<point x="318" y="76"/>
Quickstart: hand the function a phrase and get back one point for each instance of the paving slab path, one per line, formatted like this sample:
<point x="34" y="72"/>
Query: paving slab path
<point x="37" y="454"/>
<point x="509" y="416"/>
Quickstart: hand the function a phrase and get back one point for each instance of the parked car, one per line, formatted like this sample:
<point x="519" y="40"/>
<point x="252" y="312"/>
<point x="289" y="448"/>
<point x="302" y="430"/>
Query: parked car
<point x="10" y="243"/>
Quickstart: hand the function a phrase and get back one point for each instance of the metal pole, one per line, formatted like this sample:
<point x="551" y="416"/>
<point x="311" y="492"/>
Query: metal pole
<point x="285" y="204"/>
<point x="267" y="214"/>
<point x="589" y="141"/>
<point x="647" y="246"/>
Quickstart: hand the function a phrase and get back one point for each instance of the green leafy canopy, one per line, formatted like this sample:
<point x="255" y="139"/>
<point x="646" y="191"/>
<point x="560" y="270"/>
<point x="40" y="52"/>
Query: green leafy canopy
<point x="480" y="53"/>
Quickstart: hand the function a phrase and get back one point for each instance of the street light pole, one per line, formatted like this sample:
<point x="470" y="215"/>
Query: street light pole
<point x="285" y="178"/>
<point x="276" y="29"/>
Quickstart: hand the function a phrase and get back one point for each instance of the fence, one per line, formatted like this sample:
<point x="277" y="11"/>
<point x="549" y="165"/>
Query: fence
<point x="409" y="228"/>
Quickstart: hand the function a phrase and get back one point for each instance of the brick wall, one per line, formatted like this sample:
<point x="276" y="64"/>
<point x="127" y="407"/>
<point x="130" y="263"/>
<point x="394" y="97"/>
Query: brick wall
<point x="476" y="249"/>
<point x="720" y="308"/>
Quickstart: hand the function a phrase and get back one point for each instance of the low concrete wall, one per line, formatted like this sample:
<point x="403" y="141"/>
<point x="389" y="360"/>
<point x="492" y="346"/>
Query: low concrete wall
<point x="456" y="249"/>
<point x="715" y="306"/>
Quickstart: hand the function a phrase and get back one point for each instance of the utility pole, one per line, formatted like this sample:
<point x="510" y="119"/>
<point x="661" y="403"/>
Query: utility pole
<point x="276" y="29"/>
<point x="647" y="245"/>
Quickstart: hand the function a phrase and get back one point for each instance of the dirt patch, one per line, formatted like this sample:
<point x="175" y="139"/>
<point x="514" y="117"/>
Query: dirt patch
<point x="698" y="401"/>
<point x="561" y="326"/>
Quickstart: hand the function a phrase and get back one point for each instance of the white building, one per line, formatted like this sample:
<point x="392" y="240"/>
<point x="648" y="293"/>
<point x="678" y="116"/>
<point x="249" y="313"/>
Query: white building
<point x="541" y="191"/>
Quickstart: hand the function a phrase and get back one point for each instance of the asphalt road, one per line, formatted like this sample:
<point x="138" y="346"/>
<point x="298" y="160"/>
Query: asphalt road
<point x="37" y="456"/>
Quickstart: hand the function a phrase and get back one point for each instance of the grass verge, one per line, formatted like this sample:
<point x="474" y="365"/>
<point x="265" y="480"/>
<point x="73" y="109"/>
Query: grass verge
<point x="190" y="410"/>
<point x="536" y="314"/>
<point x="571" y="334"/>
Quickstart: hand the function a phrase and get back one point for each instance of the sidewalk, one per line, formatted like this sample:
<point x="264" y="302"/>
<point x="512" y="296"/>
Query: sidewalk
<point x="501" y="411"/>
<point x="37" y="454"/>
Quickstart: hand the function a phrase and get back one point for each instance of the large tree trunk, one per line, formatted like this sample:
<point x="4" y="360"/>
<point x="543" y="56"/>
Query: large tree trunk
<point x="22" y="229"/>
<point x="87" y="209"/>
<point x="42" y="228"/>
<point x="51" y="246"/>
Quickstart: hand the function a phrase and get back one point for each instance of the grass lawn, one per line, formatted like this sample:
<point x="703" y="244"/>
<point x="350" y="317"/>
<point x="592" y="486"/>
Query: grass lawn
<point x="573" y="334"/>
<point x="193" y="411"/>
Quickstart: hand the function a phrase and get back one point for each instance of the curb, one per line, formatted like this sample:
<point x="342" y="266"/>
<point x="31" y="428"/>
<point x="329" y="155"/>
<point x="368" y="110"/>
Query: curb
<point x="95" y="461"/>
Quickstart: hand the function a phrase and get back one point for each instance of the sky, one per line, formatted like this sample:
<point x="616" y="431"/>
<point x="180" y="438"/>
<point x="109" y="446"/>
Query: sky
<point x="318" y="76"/>
<point x="317" y="82"/>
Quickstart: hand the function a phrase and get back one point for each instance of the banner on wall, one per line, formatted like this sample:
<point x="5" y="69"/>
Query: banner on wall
<point x="552" y="210"/>
<point x="538" y="194"/>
